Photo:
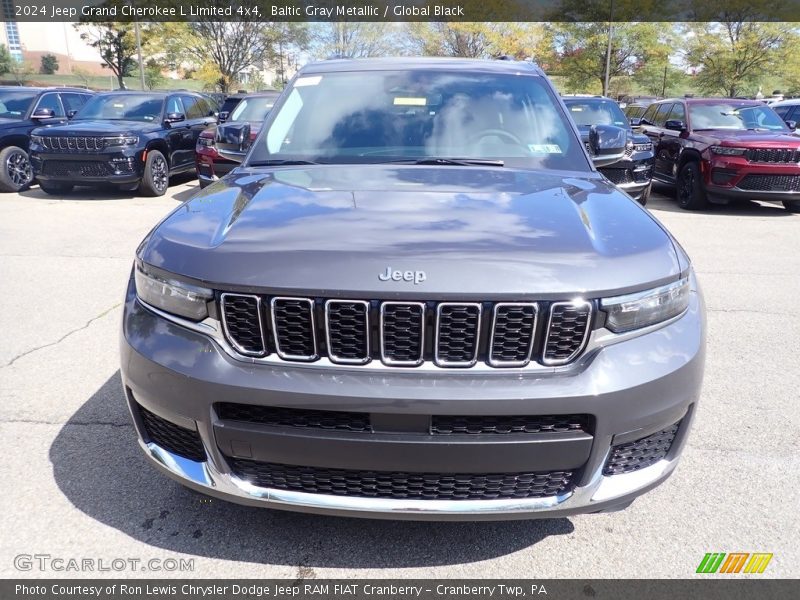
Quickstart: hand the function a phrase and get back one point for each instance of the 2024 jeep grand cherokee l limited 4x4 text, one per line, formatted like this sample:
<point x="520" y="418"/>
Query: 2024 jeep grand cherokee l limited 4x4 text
<point x="419" y="301"/>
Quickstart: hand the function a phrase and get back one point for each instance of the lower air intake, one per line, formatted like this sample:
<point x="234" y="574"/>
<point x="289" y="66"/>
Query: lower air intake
<point x="641" y="453"/>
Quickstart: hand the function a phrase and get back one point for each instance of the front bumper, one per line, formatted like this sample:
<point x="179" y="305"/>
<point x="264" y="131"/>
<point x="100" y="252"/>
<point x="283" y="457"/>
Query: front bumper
<point x="121" y="166"/>
<point x="181" y="375"/>
<point x="735" y="178"/>
<point x="631" y="176"/>
<point x="210" y="166"/>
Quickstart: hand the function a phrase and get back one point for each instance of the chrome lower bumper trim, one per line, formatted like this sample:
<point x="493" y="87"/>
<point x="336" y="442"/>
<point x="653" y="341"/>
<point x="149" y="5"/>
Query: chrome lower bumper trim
<point x="601" y="489"/>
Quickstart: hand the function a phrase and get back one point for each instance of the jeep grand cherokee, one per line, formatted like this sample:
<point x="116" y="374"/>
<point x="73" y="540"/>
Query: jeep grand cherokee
<point x="418" y="301"/>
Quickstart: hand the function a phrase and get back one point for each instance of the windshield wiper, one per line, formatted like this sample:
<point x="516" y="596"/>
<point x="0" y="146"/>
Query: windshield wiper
<point x="481" y="162"/>
<point x="278" y="162"/>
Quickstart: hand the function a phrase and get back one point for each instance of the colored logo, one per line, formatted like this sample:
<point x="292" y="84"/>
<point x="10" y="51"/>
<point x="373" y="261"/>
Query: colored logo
<point x="735" y="562"/>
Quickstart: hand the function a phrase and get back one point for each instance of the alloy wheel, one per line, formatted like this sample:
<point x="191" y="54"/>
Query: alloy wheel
<point x="160" y="175"/>
<point x="19" y="169"/>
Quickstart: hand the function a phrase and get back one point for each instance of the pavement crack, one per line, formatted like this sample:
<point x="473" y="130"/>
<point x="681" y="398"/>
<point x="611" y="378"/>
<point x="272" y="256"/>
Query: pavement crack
<point x="62" y="338"/>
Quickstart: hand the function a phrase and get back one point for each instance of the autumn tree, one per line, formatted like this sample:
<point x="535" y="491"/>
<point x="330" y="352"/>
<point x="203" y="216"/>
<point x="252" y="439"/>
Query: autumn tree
<point x="353" y="39"/>
<point x="474" y="40"/>
<point x="116" y="44"/>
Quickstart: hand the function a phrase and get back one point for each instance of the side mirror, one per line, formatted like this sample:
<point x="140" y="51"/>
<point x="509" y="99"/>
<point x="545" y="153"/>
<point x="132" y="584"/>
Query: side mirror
<point x="791" y="125"/>
<point x="174" y="118"/>
<point x="223" y="116"/>
<point x="43" y="113"/>
<point x="607" y="144"/>
<point x="233" y="141"/>
<point x="71" y="113"/>
<point x="635" y="121"/>
<point x="675" y="125"/>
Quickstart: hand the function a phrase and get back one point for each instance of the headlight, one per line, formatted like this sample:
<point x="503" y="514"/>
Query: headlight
<point x="172" y="296"/>
<point x="727" y="151"/>
<point x="36" y="139"/>
<point x="645" y="147"/>
<point x="641" y="309"/>
<point x="130" y="140"/>
<point x="205" y="141"/>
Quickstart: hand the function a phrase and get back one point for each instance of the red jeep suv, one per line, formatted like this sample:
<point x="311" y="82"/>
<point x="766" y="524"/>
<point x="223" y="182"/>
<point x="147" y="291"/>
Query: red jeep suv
<point x="722" y="149"/>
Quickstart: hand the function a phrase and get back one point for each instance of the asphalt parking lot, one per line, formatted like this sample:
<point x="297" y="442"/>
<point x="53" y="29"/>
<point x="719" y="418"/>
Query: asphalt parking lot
<point x="74" y="484"/>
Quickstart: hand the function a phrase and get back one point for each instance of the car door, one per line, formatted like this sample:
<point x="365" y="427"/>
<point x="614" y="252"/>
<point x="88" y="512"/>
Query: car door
<point x="655" y="118"/>
<point x="179" y="135"/>
<point x="72" y="102"/>
<point x="197" y="119"/>
<point x="672" y="142"/>
<point x="50" y="101"/>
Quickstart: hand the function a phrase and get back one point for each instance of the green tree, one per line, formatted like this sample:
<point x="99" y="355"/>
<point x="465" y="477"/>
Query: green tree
<point x="6" y="60"/>
<point x="116" y="43"/>
<point x="49" y="64"/>
<point x="733" y="57"/>
<point x="474" y="40"/>
<point x="152" y="74"/>
<point x="351" y="39"/>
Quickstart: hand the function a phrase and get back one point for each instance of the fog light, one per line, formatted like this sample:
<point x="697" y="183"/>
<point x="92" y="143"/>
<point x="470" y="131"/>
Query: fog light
<point x="722" y="176"/>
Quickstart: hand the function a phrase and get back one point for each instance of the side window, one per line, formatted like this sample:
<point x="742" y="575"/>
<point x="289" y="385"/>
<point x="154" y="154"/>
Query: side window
<point x="174" y="105"/>
<point x="784" y="112"/>
<point x="72" y="101"/>
<point x="192" y="106"/>
<point x="52" y="102"/>
<point x="678" y="112"/>
<point x="205" y="106"/>
<point x="661" y="114"/>
<point x="650" y="114"/>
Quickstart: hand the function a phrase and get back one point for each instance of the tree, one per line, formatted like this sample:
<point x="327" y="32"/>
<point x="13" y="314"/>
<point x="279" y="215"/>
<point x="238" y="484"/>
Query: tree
<point x="5" y="60"/>
<point x="350" y="39"/>
<point x="116" y="43"/>
<point x="83" y="76"/>
<point x="474" y="40"/>
<point x="152" y="74"/>
<point x="49" y="64"/>
<point x="731" y="57"/>
<point x="21" y="71"/>
<point x="578" y="51"/>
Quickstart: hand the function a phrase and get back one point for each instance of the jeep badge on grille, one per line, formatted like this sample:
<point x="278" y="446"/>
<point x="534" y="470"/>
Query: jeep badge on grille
<point x="416" y="276"/>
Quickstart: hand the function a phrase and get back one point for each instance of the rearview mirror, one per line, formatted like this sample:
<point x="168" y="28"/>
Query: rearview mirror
<point x="43" y="113"/>
<point x="71" y="113"/>
<point x="233" y="141"/>
<point x="223" y="116"/>
<point x="174" y="118"/>
<point x="635" y="121"/>
<point x="791" y="125"/>
<point x="675" y="125"/>
<point x="607" y="144"/>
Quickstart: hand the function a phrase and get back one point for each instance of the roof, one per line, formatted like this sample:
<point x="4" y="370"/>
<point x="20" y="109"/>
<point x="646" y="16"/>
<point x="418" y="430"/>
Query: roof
<point x="408" y="63"/>
<point x="154" y="94"/>
<point x="717" y="100"/>
<point x="789" y="102"/>
<point x="36" y="90"/>
<point x="584" y="98"/>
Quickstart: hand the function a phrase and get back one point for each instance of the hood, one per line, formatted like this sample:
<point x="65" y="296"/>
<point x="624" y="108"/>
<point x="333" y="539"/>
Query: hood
<point x="753" y="139"/>
<point x="100" y="127"/>
<point x="474" y="231"/>
<point x="11" y="122"/>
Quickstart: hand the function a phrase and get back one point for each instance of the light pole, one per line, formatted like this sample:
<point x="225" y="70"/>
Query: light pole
<point x="608" y="49"/>
<point x="139" y="52"/>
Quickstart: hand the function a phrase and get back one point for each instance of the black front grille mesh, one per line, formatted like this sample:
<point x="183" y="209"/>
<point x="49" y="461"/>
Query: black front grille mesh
<point x="770" y="183"/>
<point x="406" y="333"/>
<point x="566" y="335"/>
<point x="348" y="331"/>
<point x="402" y="485"/>
<point x="773" y="155"/>
<point x="402" y="329"/>
<point x="618" y="176"/>
<point x="293" y="327"/>
<point x="295" y="417"/>
<point x="478" y="424"/>
<point x="243" y="325"/>
<point x="632" y="456"/>
<point x="178" y="440"/>
<point x="72" y="168"/>
<point x="457" y="334"/>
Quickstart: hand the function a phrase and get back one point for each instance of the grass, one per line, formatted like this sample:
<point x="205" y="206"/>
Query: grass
<point x="100" y="82"/>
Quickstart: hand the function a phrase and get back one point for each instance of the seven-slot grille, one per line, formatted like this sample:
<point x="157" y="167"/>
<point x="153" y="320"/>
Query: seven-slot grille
<point x="406" y="334"/>
<point x="773" y="155"/>
<point x="91" y="143"/>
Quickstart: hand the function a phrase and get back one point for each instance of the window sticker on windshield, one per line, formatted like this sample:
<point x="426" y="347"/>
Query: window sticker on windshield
<point x="544" y="148"/>
<point x="400" y="101"/>
<point x="304" y="81"/>
<point x="118" y="105"/>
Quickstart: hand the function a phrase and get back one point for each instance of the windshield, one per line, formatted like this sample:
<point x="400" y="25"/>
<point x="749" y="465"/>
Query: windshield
<point x="732" y="116"/>
<point x="386" y="116"/>
<point x="122" y="107"/>
<point x="586" y="113"/>
<point x="252" y="109"/>
<point x="15" y="105"/>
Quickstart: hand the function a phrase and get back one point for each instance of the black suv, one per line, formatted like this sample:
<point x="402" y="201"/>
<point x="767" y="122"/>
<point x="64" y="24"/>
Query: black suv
<point x="130" y="139"/>
<point x="633" y="173"/>
<point x="23" y="109"/>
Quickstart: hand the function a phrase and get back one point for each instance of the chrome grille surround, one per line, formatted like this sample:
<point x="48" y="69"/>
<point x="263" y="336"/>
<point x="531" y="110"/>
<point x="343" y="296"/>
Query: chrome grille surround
<point x="388" y="360"/>
<point x="230" y="337"/>
<point x="576" y="305"/>
<point x="80" y="143"/>
<point x="367" y="332"/>
<point x="475" y="341"/>
<point x="499" y="306"/>
<point x="276" y="303"/>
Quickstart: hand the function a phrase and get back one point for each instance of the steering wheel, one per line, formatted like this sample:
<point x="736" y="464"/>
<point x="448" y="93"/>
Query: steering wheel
<point x="502" y="133"/>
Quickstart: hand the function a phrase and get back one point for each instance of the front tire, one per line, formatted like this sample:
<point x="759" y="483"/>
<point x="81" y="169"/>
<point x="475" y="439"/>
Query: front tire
<point x="156" y="175"/>
<point x="16" y="173"/>
<point x="793" y="206"/>
<point x="645" y="195"/>
<point x="55" y="188"/>
<point x="691" y="195"/>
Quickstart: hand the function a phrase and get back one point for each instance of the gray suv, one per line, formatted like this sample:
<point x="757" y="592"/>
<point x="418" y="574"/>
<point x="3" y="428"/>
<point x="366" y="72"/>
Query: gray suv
<point x="419" y="301"/>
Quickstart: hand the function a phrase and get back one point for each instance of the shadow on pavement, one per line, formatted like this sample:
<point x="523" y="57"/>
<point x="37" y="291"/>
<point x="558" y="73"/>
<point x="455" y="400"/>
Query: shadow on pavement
<point x="98" y="466"/>
<point x="111" y="192"/>
<point x="663" y="200"/>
